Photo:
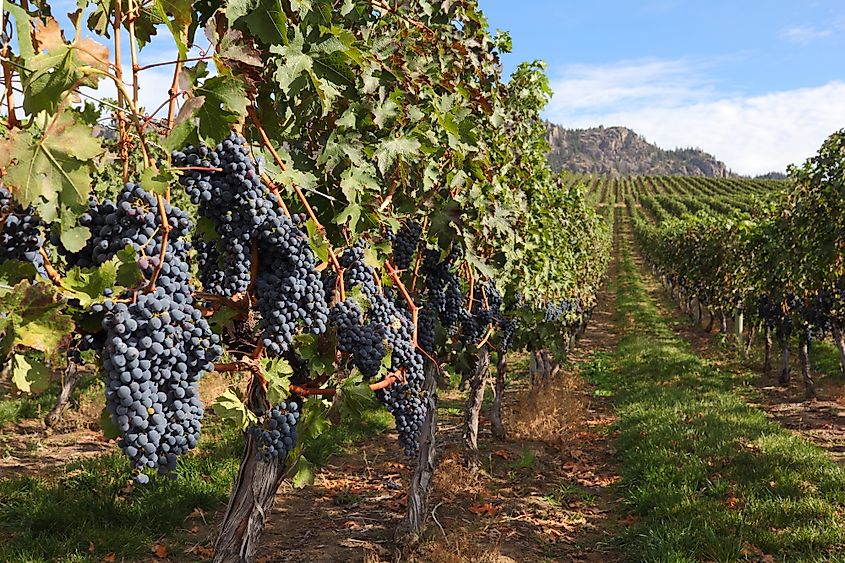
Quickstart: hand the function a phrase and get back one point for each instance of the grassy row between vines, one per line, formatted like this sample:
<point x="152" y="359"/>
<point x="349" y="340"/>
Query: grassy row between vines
<point x="707" y="476"/>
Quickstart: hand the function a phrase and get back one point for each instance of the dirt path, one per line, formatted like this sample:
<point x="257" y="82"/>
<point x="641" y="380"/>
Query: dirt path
<point x="548" y="498"/>
<point x="822" y="420"/>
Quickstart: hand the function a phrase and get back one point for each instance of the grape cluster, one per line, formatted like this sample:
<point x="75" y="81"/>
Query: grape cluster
<point x="157" y="344"/>
<point x="236" y="202"/>
<point x="245" y="215"/>
<point x="21" y="235"/>
<point x="443" y="293"/>
<point x="363" y="342"/>
<point x="486" y="310"/>
<point x="387" y="325"/>
<point x="405" y="244"/>
<point x="289" y="289"/>
<point x="509" y="325"/>
<point x="276" y="436"/>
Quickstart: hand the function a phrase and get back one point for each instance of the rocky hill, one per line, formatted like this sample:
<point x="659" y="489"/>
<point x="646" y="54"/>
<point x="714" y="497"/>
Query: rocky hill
<point x="619" y="151"/>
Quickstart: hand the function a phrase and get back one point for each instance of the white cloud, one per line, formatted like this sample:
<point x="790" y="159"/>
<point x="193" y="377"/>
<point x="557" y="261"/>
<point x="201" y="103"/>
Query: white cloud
<point x="804" y="34"/>
<point x="673" y="106"/>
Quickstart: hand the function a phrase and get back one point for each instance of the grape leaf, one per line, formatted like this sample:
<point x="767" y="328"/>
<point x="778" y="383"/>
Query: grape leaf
<point x="268" y="22"/>
<point x="35" y="318"/>
<point x="22" y="29"/>
<point x="87" y="284"/>
<point x="53" y="169"/>
<point x="302" y="473"/>
<point x="356" y="398"/>
<point x="391" y="150"/>
<point x="229" y="407"/>
<point x="110" y="430"/>
<point x="29" y="375"/>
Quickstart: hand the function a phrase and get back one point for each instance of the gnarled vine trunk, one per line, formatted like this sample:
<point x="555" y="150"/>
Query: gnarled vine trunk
<point x="252" y="497"/>
<point x="411" y="528"/>
<point x="804" y="360"/>
<point x="839" y="340"/>
<point x="723" y="322"/>
<point x="472" y="410"/>
<point x="712" y="320"/>
<point x="767" y="350"/>
<point x="498" y="390"/>
<point x="784" y="358"/>
<point x="749" y="340"/>
<point x="72" y="377"/>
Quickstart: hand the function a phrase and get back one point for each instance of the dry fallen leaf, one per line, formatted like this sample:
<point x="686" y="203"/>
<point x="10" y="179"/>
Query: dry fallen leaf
<point x="159" y="550"/>
<point x="504" y="454"/>
<point x="485" y="509"/>
<point x="110" y="558"/>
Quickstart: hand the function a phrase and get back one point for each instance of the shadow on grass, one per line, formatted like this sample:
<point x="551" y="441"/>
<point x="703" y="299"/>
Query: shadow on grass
<point x="89" y="509"/>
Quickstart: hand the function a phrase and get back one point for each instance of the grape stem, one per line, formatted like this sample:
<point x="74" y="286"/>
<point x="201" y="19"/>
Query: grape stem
<point x="51" y="271"/>
<point x="306" y="391"/>
<point x="165" y="227"/>
<point x="198" y="168"/>
<point x="486" y="337"/>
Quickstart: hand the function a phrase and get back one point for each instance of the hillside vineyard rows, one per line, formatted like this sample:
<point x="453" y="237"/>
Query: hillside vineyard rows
<point x="328" y="302"/>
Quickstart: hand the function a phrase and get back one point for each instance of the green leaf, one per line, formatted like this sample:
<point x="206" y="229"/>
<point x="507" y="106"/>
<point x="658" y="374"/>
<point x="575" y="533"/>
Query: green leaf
<point x="229" y="407"/>
<point x="391" y="150"/>
<point x="35" y="318"/>
<point x="128" y="273"/>
<point x="157" y="182"/>
<point x="54" y="170"/>
<point x="293" y="63"/>
<point x="87" y="284"/>
<point x="356" y="398"/>
<point x="277" y="371"/>
<point x="351" y="214"/>
<point x="111" y="431"/>
<point x="318" y="242"/>
<point x="239" y="8"/>
<point x="268" y="22"/>
<point x="13" y="272"/>
<point x="302" y="473"/>
<point x="224" y="106"/>
<point x="23" y="29"/>
<point x="29" y="375"/>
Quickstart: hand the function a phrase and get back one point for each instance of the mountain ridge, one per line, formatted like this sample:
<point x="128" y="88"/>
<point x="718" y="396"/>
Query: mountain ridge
<point x="620" y="151"/>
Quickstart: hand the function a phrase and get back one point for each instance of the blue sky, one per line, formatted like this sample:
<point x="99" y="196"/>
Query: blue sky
<point x="759" y="84"/>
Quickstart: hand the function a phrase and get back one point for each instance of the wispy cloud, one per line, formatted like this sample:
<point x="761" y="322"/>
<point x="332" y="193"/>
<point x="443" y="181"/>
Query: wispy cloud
<point x="581" y="87"/>
<point x="672" y="104"/>
<point x="803" y="35"/>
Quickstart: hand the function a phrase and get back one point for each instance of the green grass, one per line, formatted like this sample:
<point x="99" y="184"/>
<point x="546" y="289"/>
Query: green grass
<point x="706" y="476"/>
<point x="89" y="503"/>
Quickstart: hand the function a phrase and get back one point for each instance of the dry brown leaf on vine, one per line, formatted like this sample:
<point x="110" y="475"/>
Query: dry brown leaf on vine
<point x="485" y="509"/>
<point x="110" y="558"/>
<point x="48" y="35"/>
<point x="92" y="53"/>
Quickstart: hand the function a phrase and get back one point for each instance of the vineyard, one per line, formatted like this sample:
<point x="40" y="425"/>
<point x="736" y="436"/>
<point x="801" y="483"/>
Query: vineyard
<point x="324" y="300"/>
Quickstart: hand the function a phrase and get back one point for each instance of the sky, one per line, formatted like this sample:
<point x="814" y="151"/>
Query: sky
<point x="759" y="84"/>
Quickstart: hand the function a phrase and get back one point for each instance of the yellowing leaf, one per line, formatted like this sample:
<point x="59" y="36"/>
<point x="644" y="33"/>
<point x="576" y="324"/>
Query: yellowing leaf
<point x="29" y="375"/>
